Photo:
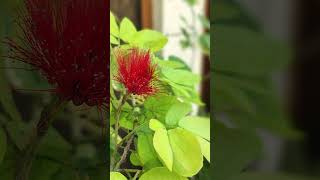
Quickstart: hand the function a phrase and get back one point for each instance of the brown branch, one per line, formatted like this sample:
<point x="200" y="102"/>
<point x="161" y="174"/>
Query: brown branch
<point x="125" y="153"/>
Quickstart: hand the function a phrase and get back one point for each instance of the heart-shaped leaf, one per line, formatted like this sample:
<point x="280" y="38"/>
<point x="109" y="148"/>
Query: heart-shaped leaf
<point x="197" y="125"/>
<point x="187" y="155"/>
<point x="117" y="176"/>
<point x="161" y="173"/>
<point x="162" y="146"/>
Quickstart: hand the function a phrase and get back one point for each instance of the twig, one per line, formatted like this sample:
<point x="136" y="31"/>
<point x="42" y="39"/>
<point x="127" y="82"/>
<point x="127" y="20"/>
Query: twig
<point x="131" y="133"/>
<point x="130" y="170"/>
<point x="116" y="129"/>
<point x="136" y="175"/>
<point x="125" y="153"/>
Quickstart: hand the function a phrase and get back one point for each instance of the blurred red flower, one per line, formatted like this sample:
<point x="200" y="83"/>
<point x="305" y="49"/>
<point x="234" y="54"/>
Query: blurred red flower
<point x="136" y="72"/>
<point x="67" y="41"/>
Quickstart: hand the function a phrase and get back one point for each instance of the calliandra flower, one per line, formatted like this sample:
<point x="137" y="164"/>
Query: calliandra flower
<point x="136" y="72"/>
<point x="67" y="40"/>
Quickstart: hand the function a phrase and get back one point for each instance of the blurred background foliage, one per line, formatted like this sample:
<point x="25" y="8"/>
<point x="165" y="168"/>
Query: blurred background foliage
<point x="74" y="148"/>
<point x="245" y="98"/>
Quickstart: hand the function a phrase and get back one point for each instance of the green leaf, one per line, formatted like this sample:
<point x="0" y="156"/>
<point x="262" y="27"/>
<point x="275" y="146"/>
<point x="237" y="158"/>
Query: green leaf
<point x="25" y="79"/>
<point x="114" y="28"/>
<point x="205" y="147"/>
<point x="204" y="21"/>
<point x="161" y="173"/>
<point x="9" y="162"/>
<point x="84" y="156"/>
<point x="114" y="40"/>
<point x="204" y="41"/>
<point x="112" y="137"/>
<point x="134" y="159"/>
<point x="185" y="41"/>
<point x="43" y="169"/>
<point x="162" y="146"/>
<point x="234" y="150"/>
<point x="187" y="94"/>
<point x="177" y="112"/>
<point x="156" y="125"/>
<point x="251" y="103"/>
<point x="184" y="65"/>
<point x="127" y="30"/>
<point x="64" y="173"/>
<point x="55" y="146"/>
<point x="187" y="155"/>
<point x="117" y="176"/>
<point x="125" y="123"/>
<point x="233" y="13"/>
<point x="158" y="106"/>
<point x="271" y="115"/>
<point x="225" y="10"/>
<point x="169" y="63"/>
<point x="6" y="99"/>
<point x="19" y="132"/>
<point x="230" y="96"/>
<point x="181" y="77"/>
<point x="146" y="151"/>
<point x="179" y="90"/>
<point x="3" y="144"/>
<point x="268" y="55"/>
<point x="197" y="125"/>
<point x="149" y="39"/>
<point x="191" y="2"/>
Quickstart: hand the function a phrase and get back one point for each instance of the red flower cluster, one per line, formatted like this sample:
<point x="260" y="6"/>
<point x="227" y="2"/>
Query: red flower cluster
<point x="66" y="40"/>
<point x="136" y="72"/>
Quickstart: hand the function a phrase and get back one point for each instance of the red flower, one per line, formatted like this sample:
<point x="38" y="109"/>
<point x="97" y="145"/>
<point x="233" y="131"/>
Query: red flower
<point x="136" y="72"/>
<point x="66" y="40"/>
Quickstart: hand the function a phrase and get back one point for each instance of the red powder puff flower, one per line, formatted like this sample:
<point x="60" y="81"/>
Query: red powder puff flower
<point x="136" y="72"/>
<point x="66" y="40"/>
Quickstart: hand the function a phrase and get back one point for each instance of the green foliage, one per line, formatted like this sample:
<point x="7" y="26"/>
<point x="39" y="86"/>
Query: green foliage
<point x="3" y="144"/>
<point x="234" y="150"/>
<point x="147" y="153"/>
<point x="188" y="159"/>
<point x="163" y="148"/>
<point x="198" y="125"/>
<point x="191" y="2"/>
<point x="162" y="139"/>
<point x="244" y="95"/>
<point x="117" y="176"/>
<point x="176" y="113"/>
<point x="127" y="30"/>
<point x="149" y="39"/>
<point x="255" y="63"/>
<point x="189" y="35"/>
<point x="161" y="173"/>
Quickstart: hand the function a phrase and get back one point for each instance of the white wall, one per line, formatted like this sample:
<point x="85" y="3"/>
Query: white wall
<point x="166" y="19"/>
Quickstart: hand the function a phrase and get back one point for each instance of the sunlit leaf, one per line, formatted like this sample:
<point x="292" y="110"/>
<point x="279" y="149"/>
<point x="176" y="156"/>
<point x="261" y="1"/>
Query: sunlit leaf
<point x="163" y="148"/>
<point x="117" y="176"/>
<point x="161" y="173"/>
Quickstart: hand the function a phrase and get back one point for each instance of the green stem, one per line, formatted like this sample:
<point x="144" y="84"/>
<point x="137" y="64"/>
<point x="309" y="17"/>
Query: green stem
<point x="127" y="137"/>
<point x="136" y="175"/>
<point x="43" y="125"/>
<point x="130" y="170"/>
<point x="116" y="128"/>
